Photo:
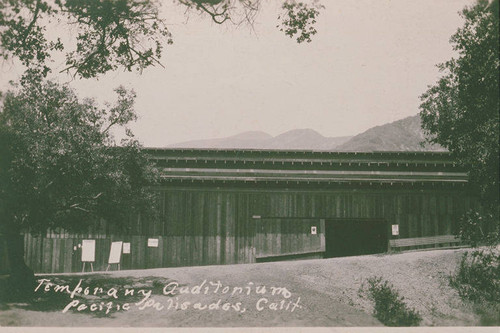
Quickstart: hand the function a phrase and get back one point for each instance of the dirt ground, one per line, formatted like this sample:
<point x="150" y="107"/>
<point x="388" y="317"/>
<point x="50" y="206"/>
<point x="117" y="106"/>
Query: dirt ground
<point x="323" y="292"/>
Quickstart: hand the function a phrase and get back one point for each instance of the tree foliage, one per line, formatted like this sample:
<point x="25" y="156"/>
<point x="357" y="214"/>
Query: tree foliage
<point x="61" y="167"/>
<point x="110" y="34"/>
<point x="461" y="111"/>
<point x="299" y="20"/>
<point x="113" y="34"/>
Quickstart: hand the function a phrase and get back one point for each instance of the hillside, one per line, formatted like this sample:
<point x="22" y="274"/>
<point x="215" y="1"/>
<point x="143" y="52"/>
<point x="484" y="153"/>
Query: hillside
<point x="306" y="139"/>
<point x="251" y="139"/>
<point x="402" y="135"/>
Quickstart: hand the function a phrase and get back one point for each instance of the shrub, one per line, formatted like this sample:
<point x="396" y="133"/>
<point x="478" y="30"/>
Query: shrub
<point x="479" y="229"/>
<point x="477" y="277"/>
<point x="390" y="308"/>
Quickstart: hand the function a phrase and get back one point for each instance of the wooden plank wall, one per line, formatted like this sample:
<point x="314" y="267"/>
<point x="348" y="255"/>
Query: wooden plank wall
<point x="207" y="226"/>
<point x="57" y="255"/>
<point x="280" y="236"/>
<point x="228" y="213"/>
<point x="4" y="261"/>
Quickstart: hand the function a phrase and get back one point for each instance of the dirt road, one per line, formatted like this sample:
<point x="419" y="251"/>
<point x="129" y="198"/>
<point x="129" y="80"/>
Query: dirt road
<point x="297" y="293"/>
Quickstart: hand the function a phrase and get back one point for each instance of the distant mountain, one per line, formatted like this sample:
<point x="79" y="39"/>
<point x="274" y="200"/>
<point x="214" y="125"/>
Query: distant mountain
<point x="252" y="139"/>
<point x="402" y="135"/>
<point x="306" y="139"/>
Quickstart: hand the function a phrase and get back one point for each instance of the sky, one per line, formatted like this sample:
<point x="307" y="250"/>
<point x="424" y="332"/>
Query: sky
<point x="367" y="66"/>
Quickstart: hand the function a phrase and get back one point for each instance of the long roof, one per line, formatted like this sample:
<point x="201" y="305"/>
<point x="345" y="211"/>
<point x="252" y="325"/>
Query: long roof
<point x="294" y="167"/>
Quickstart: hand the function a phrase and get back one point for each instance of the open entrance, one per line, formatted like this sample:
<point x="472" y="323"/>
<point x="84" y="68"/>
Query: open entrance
<point x="351" y="237"/>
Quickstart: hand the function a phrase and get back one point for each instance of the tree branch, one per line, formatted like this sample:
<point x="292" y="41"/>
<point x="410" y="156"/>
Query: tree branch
<point x="145" y="58"/>
<point x="214" y="14"/>
<point x="75" y="206"/>
<point x="32" y="23"/>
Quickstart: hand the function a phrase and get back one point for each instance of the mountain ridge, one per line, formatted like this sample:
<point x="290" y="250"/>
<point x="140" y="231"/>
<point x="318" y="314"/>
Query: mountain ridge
<point x="294" y="139"/>
<point x="401" y="135"/>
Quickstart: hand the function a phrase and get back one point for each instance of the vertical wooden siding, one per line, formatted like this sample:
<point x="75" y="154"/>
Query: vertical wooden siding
<point x="280" y="236"/>
<point x="201" y="226"/>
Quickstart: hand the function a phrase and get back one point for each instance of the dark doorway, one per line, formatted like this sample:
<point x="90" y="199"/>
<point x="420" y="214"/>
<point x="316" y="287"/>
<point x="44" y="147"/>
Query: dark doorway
<point x="351" y="237"/>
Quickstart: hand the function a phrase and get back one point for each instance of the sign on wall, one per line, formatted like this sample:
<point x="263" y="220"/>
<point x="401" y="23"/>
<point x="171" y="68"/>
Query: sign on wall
<point x="152" y="242"/>
<point x="126" y="248"/>
<point x="88" y="250"/>
<point x="115" y="253"/>
<point x="395" y="229"/>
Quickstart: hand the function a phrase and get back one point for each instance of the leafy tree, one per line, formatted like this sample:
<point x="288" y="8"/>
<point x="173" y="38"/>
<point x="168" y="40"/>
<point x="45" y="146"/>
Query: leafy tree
<point x="61" y="167"/>
<point x="112" y="34"/>
<point x="461" y="111"/>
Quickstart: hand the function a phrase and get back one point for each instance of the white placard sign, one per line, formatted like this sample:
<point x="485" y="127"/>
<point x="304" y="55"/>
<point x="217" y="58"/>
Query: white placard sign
<point x="88" y="250"/>
<point x="115" y="253"/>
<point x="395" y="229"/>
<point x="152" y="242"/>
<point x="314" y="230"/>
<point x="126" y="248"/>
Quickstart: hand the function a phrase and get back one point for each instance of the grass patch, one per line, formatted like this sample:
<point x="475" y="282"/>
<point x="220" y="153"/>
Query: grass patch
<point x="389" y="307"/>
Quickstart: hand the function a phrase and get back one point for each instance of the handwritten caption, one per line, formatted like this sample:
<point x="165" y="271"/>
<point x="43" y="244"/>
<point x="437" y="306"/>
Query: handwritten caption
<point x="214" y="295"/>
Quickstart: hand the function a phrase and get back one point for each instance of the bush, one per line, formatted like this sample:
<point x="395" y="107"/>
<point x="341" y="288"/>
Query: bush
<point x="478" y="276"/>
<point x="477" y="279"/>
<point x="390" y="308"/>
<point x="479" y="229"/>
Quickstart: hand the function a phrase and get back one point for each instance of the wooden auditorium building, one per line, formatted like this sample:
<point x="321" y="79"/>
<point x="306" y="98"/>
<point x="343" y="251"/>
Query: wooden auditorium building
<point x="247" y="206"/>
